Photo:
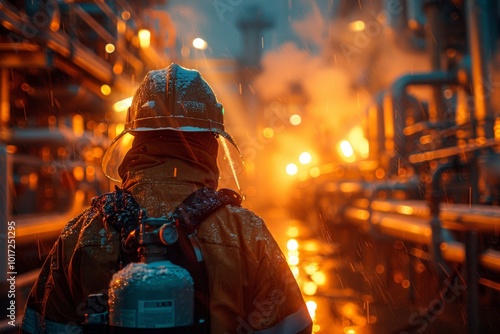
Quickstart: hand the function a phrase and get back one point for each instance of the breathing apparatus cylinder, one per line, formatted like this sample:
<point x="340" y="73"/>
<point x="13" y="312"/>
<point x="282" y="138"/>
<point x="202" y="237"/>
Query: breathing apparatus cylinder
<point x="153" y="293"/>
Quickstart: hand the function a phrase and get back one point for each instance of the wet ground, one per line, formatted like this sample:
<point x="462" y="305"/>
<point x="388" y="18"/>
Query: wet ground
<point x="347" y="293"/>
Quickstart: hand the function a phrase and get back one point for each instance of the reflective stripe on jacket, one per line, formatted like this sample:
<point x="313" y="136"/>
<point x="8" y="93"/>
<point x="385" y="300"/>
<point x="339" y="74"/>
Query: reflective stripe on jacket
<point x="252" y="290"/>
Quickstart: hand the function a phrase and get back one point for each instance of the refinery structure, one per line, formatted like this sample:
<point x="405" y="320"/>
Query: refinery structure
<point x="376" y="130"/>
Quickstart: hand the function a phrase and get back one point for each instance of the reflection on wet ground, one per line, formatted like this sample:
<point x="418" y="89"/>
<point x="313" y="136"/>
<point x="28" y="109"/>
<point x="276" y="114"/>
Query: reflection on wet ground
<point x="313" y="263"/>
<point x="356" y="285"/>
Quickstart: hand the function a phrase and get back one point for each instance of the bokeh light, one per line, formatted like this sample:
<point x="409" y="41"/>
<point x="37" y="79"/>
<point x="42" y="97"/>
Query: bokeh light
<point x="200" y="43"/>
<point x="292" y="169"/>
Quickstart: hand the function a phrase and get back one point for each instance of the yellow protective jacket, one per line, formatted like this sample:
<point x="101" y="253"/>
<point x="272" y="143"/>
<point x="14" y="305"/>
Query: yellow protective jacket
<point x="251" y="287"/>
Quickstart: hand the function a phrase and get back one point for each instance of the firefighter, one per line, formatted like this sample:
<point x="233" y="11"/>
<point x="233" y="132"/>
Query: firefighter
<point x="169" y="149"/>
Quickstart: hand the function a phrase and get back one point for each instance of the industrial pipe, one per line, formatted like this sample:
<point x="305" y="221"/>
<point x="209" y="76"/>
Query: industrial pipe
<point x="409" y="220"/>
<point x="438" y="235"/>
<point x="399" y="99"/>
<point x="4" y="209"/>
<point x="454" y="216"/>
<point x="47" y="226"/>
<point x="45" y="136"/>
<point x="435" y="38"/>
<point x="472" y="266"/>
<point x="61" y="44"/>
<point x="480" y="43"/>
<point x="375" y="129"/>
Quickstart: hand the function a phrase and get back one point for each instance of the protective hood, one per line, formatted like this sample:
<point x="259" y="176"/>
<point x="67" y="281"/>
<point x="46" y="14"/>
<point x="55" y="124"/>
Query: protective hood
<point x="173" y="98"/>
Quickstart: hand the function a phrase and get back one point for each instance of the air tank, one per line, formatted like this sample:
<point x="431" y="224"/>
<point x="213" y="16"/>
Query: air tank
<point x="151" y="295"/>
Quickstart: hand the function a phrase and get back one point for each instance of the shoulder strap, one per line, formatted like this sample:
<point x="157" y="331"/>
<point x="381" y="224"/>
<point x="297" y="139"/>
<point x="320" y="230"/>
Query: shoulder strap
<point x="119" y="209"/>
<point x="203" y="202"/>
<point x="188" y="215"/>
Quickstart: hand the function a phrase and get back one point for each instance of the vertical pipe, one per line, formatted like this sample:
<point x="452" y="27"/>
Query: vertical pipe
<point x="375" y="128"/>
<point x="472" y="262"/>
<point x="380" y="126"/>
<point x="4" y="209"/>
<point x="478" y="25"/>
<point x="4" y="98"/>
<point x="4" y="172"/>
<point x="438" y="236"/>
<point x="399" y="99"/>
<point x="416" y="15"/>
<point x="412" y="277"/>
<point x="435" y="38"/>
